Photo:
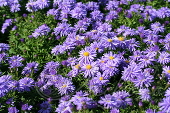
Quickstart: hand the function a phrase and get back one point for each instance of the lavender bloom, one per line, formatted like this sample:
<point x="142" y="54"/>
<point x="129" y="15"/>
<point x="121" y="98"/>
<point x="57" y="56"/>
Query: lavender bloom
<point x="114" y="110"/>
<point x="65" y="86"/>
<point x="132" y="71"/>
<point x="81" y="101"/>
<point x="3" y="3"/>
<point x="144" y="79"/>
<point x="50" y="66"/>
<point x="25" y="84"/>
<point x="104" y="28"/>
<point x="54" y="12"/>
<point x="87" y="55"/>
<point x="96" y="15"/>
<point x="108" y="101"/>
<point x="41" y="30"/>
<point x="4" y="47"/>
<point x="15" y="7"/>
<point x="13" y="110"/>
<point x="63" y="29"/>
<point x="144" y="94"/>
<point x="111" y="5"/>
<point x="167" y="92"/>
<point x="32" y="6"/>
<point x="78" y="13"/>
<point x="64" y="107"/>
<point x="166" y="71"/>
<point x="164" y="58"/>
<point x="7" y="23"/>
<point x="15" y="61"/>
<point x="91" y="6"/>
<point x="150" y="111"/>
<point x="90" y="69"/>
<point x="165" y="105"/>
<point x="10" y="101"/>
<point x="31" y="67"/>
<point x="42" y="3"/>
<point x="156" y="27"/>
<point x="111" y="16"/>
<point x="122" y="98"/>
<point x="45" y="107"/>
<point x="83" y="24"/>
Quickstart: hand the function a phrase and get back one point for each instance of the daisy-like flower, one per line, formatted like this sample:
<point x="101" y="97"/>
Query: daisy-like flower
<point x="165" y="105"/>
<point x="144" y="94"/>
<point x="25" y="84"/>
<point x="164" y="58"/>
<point x="100" y="79"/>
<point x="110" y="57"/>
<point x="166" y="71"/>
<point x="108" y="42"/>
<point x="156" y="27"/>
<point x="87" y="55"/>
<point x="144" y="79"/>
<point x="108" y="101"/>
<point x="90" y="69"/>
<point x="146" y="60"/>
<point x="167" y="92"/>
<point x="65" y="86"/>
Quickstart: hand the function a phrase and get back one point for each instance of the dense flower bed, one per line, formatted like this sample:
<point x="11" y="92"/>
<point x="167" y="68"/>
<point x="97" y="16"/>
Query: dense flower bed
<point x="100" y="56"/>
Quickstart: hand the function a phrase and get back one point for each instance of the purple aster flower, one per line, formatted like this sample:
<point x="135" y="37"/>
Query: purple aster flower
<point x="15" y="61"/>
<point x="4" y="47"/>
<point x="110" y="57"/>
<point x="32" y="6"/>
<point x="90" y="69"/>
<point x="163" y="12"/>
<point x="165" y="105"/>
<point x="146" y="60"/>
<point x="111" y="16"/>
<point x="7" y="23"/>
<point x="65" y="86"/>
<point x="164" y="58"/>
<point x="78" y="13"/>
<point x="144" y="79"/>
<point x="96" y="15"/>
<point x="150" y="111"/>
<point x="63" y="29"/>
<point x="94" y="87"/>
<point x="114" y="110"/>
<point x="41" y="30"/>
<point x="105" y="27"/>
<point x="15" y="7"/>
<point x="82" y="101"/>
<point x="87" y="55"/>
<point x="132" y="44"/>
<point x="108" y="101"/>
<point x="100" y="79"/>
<point x="144" y="94"/>
<point x="50" y="66"/>
<point x="30" y="68"/>
<point x="45" y="107"/>
<point x="26" y="107"/>
<point x="54" y="12"/>
<point x="43" y="4"/>
<point x="25" y="84"/>
<point x="83" y="24"/>
<point x="167" y="92"/>
<point x="13" y="110"/>
<point x="91" y="6"/>
<point x="111" y="5"/>
<point x="97" y="46"/>
<point x="166" y="71"/>
<point x="64" y="107"/>
<point x="156" y="27"/>
<point x="122" y="98"/>
<point x="132" y="71"/>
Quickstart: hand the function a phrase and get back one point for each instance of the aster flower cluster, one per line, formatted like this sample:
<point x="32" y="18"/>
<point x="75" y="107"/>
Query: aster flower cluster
<point x="87" y="56"/>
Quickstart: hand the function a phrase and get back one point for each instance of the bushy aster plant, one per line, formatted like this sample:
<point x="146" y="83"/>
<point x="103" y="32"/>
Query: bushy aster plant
<point x="84" y="56"/>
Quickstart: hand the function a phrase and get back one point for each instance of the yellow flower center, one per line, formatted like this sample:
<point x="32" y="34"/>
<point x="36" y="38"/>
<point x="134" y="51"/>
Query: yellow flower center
<point x="97" y="48"/>
<point x="168" y="71"/>
<point x="77" y="66"/>
<point x="77" y="37"/>
<point x="100" y="78"/>
<point x="64" y="86"/>
<point x="94" y="30"/>
<point x="111" y="57"/>
<point x="88" y="67"/>
<point x="109" y="40"/>
<point x="86" y="53"/>
<point x="102" y="61"/>
<point x="121" y="38"/>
